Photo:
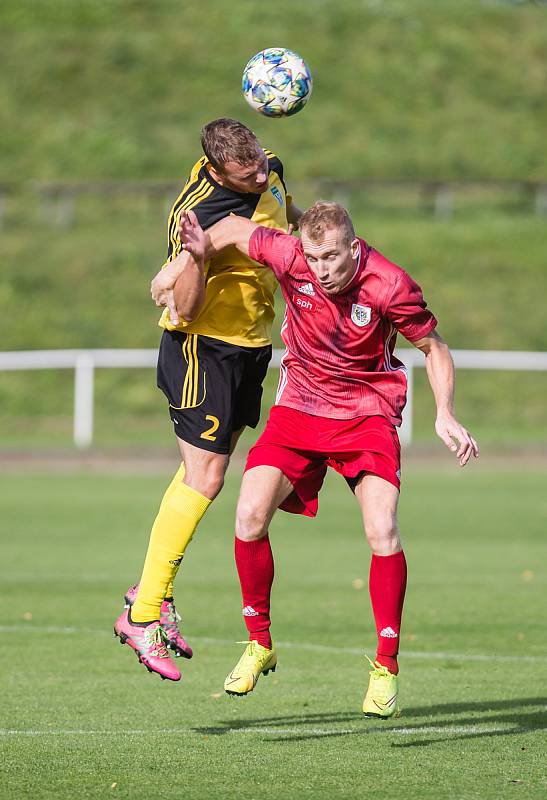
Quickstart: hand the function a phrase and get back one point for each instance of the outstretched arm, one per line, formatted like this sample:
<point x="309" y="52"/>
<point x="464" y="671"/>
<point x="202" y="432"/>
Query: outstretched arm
<point x="186" y="272"/>
<point x="200" y="246"/>
<point x="440" y="372"/>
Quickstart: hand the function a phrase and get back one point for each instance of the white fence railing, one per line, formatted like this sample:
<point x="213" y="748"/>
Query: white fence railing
<point x="84" y="363"/>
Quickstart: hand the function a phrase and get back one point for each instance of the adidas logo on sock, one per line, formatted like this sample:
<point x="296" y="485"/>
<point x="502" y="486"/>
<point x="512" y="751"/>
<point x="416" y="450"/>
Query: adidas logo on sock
<point x="307" y="289"/>
<point x="249" y="611"/>
<point x="389" y="633"/>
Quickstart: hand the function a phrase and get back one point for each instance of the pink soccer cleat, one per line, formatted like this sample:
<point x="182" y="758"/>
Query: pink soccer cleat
<point x="131" y="595"/>
<point x="169" y="620"/>
<point x="149" y="644"/>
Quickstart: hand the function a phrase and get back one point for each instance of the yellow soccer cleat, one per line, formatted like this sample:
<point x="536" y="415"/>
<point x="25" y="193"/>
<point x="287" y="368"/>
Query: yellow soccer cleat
<point x="255" y="660"/>
<point x="381" y="697"/>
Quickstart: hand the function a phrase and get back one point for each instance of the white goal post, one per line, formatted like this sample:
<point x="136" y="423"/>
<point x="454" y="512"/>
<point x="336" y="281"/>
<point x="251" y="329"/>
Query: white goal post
<point x="84" y="363"/>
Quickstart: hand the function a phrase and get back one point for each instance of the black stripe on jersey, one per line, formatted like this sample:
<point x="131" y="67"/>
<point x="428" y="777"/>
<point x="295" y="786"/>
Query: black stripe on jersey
<point x="199" y="189"/>
<point x="275" y="165"/>
<point x="189" y="188"/>
<point x="221" y="203"/>
<point x="204" y="190"/>
<point x="211" y="202"/>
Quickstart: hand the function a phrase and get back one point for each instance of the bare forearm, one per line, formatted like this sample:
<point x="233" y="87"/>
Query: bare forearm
<point x="231" y="230"/>
<point x="201" y="246"/>
<point x="440" y="373"/>
<point x="189" y="290"/>
<point x="168" y="274"/>
<point x="163" y="283"/>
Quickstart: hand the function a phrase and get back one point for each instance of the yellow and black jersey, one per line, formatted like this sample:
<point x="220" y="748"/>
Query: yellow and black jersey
<point x="239" y="292"/>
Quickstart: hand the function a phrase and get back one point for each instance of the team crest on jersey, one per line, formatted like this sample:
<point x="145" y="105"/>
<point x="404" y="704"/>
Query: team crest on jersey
<point x="360" y="315"/>
<point x="277" y="194"/>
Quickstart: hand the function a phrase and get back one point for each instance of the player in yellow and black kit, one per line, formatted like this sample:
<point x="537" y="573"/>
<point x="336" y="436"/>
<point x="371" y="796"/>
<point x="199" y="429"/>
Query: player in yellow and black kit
<point x="213" y="358"/>
<point x="211" y="369"/>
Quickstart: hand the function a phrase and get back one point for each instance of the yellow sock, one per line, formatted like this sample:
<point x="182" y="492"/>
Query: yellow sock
<point x="172" y="531"/>
<point x="178" y="478"/>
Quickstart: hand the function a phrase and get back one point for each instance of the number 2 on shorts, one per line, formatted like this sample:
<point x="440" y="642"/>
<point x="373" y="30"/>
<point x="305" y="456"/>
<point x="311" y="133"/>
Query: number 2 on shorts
<point x="208" y="434"/>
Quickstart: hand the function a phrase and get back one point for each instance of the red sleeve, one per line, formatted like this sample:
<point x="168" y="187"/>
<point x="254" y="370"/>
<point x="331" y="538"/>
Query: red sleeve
<point x="408" y="311"/>
<point x="272" y="248"/>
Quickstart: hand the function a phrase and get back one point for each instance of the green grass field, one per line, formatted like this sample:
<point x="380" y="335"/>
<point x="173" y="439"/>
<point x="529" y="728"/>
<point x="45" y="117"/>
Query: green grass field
<point x="80" y="717"/>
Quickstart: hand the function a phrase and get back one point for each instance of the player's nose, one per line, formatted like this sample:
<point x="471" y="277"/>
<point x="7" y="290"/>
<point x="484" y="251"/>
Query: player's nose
<point x="322" y="271"/>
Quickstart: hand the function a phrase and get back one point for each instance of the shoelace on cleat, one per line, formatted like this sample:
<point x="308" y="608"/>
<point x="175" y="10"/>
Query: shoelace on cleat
<point x="170" y="625"/>
<point x="249" y="651"/>
<point x="251" y="655"/>
<point x="173" y="617"/>
<point x="378" y="670"/>
<point x="155" y="642"/>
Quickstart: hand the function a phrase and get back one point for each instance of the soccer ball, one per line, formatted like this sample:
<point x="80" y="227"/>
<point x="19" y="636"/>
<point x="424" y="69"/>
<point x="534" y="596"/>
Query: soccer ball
<point x="277" y="82"/>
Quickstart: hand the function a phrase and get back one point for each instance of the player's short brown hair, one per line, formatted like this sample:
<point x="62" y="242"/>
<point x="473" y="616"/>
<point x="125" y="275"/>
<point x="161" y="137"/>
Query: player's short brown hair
<point x="225" y="140"/>
<point x="324" y="216"/>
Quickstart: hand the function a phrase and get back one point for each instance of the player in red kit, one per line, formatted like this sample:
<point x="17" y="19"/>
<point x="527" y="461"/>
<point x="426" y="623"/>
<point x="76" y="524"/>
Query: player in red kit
<point x="340" y="397"/>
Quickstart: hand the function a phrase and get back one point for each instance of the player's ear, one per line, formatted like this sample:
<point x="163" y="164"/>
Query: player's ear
<point x="354" y="247"/>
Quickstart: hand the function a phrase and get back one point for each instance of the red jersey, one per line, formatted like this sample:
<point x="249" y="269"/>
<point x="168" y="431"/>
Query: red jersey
<point x="339" y="359"/>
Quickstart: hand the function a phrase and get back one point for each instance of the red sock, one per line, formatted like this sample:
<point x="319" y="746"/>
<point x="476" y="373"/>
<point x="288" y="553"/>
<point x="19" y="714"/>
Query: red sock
<point x="387" y="584"/>
<point x="255" y="567"/>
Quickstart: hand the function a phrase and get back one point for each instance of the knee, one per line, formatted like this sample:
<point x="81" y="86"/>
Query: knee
<point x="213" y="486"/>
<point x="383" y="534"/>
<point x="250" y="521"/>
<point x="208" y="483"/>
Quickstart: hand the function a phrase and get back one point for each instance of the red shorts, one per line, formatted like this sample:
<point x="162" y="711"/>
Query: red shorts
<point x="302" y="446"/>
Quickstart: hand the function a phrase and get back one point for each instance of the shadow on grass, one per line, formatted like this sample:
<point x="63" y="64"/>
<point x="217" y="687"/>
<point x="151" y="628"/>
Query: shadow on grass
<point x="454" y="721"/>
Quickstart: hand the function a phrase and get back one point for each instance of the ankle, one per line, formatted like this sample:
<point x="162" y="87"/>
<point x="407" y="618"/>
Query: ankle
<point x="263" y="639"/>
<point x="137" y="622"/>
<point x="388" y="661"/>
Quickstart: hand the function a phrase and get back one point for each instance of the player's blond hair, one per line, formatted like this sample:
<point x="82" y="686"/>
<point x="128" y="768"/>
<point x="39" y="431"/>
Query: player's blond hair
<point x="225" y="140"/>
<point x="325" y="216"/>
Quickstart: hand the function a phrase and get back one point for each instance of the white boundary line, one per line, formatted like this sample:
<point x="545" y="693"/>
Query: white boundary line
<point x="308" y="646"/>
<point x="452" y="730"/>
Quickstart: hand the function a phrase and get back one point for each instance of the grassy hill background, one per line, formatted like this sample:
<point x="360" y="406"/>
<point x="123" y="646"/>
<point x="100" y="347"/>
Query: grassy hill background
<point x="120" y="88"/>
<point x="96" y="90"/>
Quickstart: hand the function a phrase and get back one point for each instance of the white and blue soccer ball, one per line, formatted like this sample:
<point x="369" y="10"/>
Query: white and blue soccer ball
<point x="277" y="82"/>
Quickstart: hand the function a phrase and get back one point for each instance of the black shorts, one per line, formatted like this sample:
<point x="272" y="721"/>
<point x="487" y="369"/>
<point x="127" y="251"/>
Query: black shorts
<point x="213" y="388"/>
